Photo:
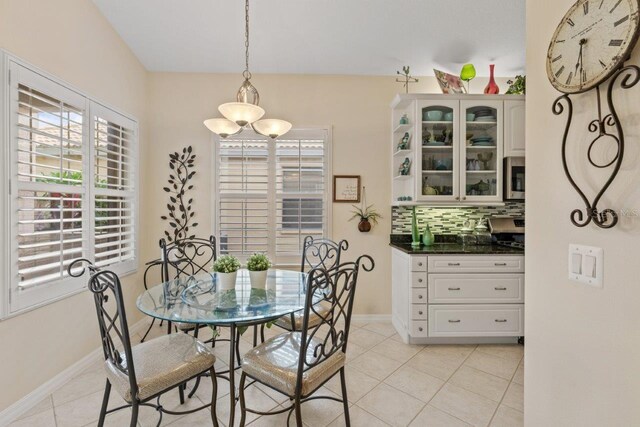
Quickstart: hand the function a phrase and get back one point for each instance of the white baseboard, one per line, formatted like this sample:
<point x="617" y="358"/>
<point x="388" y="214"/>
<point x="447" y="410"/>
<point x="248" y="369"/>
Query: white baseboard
<point x="371" y="318"/>
<point x="23" y="405"/>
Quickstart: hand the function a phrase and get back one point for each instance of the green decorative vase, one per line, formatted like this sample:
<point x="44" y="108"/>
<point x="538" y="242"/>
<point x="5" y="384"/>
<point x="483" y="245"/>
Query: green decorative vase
<point x="415" y="235"/>
<point x="427" y="236"/>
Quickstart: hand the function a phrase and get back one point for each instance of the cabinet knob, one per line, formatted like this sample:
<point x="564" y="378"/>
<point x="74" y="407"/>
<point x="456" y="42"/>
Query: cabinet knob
<point x="500" y="264"/>
<point x="457" y="198"/>
<point x="419" y="280"/>
<point x="454" y="289"/>
<point x="464" y="198"/>
<point x="419" y="264"/>
<point x="501" y="320"/>
<point x="419" y="296"/>
<point x="420" y="328"/>
<point x="453" y="264"/>
<point x="500" y="289"/>
<point x="454" y="321"/>
<point x="420" y="312"/>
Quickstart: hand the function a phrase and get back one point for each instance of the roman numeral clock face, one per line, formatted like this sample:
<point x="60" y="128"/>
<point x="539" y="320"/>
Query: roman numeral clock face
<point x="591" y="42"/>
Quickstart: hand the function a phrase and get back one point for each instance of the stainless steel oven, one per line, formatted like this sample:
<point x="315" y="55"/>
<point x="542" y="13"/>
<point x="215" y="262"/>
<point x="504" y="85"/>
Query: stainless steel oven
<point x="514" y="178"/>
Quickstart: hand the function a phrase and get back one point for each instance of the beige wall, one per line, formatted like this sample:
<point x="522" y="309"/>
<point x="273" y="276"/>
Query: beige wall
<point x="73" y="41"/>
<point x="355" y="107"/>
<point x="583" y="344"/>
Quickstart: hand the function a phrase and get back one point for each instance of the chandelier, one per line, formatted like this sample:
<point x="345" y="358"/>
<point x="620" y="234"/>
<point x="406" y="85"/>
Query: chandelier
<point x="245" y="112"/>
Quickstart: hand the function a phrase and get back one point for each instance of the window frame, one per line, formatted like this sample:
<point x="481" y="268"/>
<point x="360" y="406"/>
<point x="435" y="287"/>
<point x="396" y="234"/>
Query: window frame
<point x="297" y="133"/>
<point x="60" y="289"/>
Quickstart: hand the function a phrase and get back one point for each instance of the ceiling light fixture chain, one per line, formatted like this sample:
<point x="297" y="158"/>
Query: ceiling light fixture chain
<point x="246" y="73"/>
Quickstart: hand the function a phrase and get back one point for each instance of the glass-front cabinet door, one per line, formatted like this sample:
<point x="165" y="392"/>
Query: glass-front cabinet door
<point x="481" y="151"/>
<point x="438" y="124"/>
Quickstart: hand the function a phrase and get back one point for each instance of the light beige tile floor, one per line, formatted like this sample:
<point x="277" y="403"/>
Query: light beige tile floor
<point x="388" y="384"/>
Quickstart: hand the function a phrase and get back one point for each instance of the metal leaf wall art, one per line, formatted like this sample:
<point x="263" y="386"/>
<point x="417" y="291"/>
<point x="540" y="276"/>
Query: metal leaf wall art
<point x="181" y="214"/>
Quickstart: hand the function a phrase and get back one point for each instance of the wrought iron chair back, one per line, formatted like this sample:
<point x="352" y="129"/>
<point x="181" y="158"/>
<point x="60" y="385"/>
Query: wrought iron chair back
<point x="323" y="253"/>
<point x="188" y="257"/>
<point x="112" y="319"/>
<point x="337" y="287"/>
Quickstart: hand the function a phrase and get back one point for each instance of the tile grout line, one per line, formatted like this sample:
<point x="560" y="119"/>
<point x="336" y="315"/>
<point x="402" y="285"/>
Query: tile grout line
<point x="505" y="392"/>
<point x="445" y="383"/>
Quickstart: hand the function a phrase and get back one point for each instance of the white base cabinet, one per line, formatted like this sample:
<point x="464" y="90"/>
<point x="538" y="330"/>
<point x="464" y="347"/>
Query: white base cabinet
<point x="457" y="298"/>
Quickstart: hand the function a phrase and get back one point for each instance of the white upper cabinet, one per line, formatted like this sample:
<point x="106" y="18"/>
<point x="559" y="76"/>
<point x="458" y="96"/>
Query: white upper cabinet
<point x="455" y="147"/>
<point x="514" y="128"/>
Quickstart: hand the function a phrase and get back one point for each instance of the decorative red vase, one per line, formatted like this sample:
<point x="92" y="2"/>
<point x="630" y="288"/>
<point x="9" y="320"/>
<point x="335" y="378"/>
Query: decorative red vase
<point x="492" y="88"/>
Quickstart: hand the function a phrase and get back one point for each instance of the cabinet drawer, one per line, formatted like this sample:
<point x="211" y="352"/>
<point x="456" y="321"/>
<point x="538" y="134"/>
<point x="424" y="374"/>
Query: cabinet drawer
<point x="418" y="263"/>
<point x="418" y="280"/>
<point x="419" y="311"/>
<point x="476" y="264"/>
<point x="476" y="288"/>
<point x="419" y="296"/>
<point x="419" y="328"/>
<point x="476" y="320"/>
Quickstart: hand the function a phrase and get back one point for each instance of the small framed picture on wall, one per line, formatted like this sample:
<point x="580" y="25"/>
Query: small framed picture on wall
<point x="346" y="188"/>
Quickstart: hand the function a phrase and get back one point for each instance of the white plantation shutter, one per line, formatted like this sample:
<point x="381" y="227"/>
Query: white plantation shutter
<point x="114" y="177"/>
<point x="300" y="194"/>
<point x="243" y="193"/>
<point x="72" y="191"/>
<point x="271" y="194"/>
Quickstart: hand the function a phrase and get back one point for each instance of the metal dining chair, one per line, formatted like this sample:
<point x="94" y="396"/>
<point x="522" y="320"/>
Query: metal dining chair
<point x="148" y="370"/>
<point x="187" y="257"/>
<point x="152" y="269"/>
<point x="316" y="253"/>
<point x="298" y="363"/>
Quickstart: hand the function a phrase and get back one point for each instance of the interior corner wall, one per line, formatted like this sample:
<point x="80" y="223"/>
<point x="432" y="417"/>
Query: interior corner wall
<point x="71" y="40"/>
<point x="582" y="348"/>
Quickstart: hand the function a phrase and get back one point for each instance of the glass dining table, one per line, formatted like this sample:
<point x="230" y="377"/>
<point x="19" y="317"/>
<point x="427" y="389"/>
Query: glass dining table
<point x="201" y="300"/>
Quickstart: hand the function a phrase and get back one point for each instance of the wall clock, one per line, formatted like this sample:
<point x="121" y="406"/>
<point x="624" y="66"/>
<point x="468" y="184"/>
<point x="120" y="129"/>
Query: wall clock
<point x="589" y="48"/>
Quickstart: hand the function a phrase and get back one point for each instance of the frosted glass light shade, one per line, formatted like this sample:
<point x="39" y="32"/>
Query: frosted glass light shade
<point x="222" y="127"/>
<point x="272" y="128"/>
<point x="241" y="113"/>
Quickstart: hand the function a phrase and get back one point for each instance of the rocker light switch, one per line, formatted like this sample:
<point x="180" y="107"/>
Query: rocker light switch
<point x="586" y="264"/>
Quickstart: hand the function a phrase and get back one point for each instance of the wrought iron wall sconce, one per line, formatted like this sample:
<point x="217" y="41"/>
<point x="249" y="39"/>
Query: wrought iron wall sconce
<point x="606" y="127"/>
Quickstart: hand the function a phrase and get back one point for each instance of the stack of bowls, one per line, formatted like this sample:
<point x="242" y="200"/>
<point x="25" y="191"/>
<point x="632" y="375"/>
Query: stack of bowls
<point x="482" y="141"/>
<point x="485" y="115"/>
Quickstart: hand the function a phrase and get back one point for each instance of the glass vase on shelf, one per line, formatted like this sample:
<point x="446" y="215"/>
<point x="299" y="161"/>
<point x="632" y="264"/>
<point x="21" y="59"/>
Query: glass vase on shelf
<point x="467" y="74"/>
<point x="492" y="87"/>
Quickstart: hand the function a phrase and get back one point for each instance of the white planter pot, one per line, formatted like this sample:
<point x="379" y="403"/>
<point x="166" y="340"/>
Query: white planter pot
<point x="227" y="280"/>
<point x="258" y="279"/>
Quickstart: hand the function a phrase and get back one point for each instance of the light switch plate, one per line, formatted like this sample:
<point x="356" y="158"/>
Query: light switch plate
<point x="586" y="264"/>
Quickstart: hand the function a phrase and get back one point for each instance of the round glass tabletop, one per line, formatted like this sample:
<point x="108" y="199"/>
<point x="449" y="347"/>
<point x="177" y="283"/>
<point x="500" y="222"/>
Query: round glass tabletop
<point x="200" y="299"/>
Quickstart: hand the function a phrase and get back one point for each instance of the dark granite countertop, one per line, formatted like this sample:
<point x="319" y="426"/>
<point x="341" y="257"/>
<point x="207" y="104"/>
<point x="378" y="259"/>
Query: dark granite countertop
<point x="455" y="248"/>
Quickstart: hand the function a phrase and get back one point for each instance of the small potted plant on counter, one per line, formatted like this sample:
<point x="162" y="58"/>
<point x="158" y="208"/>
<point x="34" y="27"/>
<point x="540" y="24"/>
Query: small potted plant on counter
<point x="227" y="267"/>
<point x="258" y="264"/>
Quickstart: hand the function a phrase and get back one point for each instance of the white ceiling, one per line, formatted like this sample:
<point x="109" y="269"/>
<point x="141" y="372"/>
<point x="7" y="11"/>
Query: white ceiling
<point x="368" y="37"/>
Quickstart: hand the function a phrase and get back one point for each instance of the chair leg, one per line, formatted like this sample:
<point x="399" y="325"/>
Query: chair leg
<point x="345" y="402"/>
<point x="195" y="387"/>
<point x="105" y="403"/>
<point x="148" y="330"/>
<point x="134" y="413"/>
<point x="181" y="391"/>
<point x="238" y="347"/>
<point x="262" y="333"/>
<point x="298" y="410"/>
<point x="214" y="396"/>
<point x="255" y="335"/>
<point x="243" y="406"/>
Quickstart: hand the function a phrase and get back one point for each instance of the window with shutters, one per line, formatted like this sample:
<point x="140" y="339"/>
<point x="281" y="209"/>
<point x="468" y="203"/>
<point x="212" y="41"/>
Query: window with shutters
<point x="71" y="188"/>
<point x="271" y="194"/>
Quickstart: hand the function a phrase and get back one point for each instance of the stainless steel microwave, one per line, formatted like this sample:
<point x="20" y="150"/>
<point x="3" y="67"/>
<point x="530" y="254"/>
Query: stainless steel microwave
<point x="514" y="178"/>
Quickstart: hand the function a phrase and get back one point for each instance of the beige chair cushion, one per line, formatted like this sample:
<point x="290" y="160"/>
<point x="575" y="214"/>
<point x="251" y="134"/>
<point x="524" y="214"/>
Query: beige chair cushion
<point x="182" y="326"/>
<point x="298" y="318"/>
<point x="275" y="363"/>
<point x="161" y="363"/>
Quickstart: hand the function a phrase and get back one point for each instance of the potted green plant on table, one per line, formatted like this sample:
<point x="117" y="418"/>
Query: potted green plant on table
<point x="258" y="265"/>
<point x="227" y="267"/>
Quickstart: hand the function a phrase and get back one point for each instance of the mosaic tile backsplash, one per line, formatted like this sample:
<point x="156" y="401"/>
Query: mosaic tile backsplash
<point x="449" y="220"/>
